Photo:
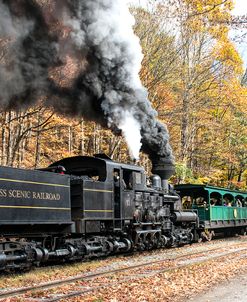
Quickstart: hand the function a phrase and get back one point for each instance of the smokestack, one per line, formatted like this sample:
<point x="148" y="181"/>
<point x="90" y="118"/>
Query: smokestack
<point x="83" y="59"/>
<point x="165" y="169"/>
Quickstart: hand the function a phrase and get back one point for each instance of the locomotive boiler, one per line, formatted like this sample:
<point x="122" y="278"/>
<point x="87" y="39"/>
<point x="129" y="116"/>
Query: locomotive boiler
<point x="83" y="207"/>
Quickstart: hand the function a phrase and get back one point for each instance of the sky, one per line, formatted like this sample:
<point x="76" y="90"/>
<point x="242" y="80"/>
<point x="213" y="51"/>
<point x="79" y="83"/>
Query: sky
<point x="240" y="9"/>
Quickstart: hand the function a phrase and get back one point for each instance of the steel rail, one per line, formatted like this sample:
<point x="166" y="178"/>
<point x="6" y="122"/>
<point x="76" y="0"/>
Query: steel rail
<point x="57" y="283"/>
<point x="170" y="269"/>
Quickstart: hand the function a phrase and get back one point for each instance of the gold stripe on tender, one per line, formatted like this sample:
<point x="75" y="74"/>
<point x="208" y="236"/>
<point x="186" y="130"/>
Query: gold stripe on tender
<point x="95" y="190"/>
<point x="33" y="182"/>
<point x="33" y="207"/>
<point x="108" y="211"/>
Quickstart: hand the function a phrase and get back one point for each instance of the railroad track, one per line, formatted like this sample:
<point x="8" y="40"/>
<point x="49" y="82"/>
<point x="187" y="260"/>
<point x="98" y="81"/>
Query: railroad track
<point x="152" y="267"/>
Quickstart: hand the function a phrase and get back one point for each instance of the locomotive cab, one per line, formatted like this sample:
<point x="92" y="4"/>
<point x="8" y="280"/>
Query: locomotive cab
<point x="102" y="193"/>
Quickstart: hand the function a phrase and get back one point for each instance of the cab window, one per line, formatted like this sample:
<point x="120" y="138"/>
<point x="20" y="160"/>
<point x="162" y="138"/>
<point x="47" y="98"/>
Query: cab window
<point x="128" y="179"/>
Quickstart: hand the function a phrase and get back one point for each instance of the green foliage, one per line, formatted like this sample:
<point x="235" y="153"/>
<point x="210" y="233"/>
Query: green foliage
<point x="182" y="174"/>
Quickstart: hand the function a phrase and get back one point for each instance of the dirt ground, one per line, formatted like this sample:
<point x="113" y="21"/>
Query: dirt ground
<point x="232" y="291"/>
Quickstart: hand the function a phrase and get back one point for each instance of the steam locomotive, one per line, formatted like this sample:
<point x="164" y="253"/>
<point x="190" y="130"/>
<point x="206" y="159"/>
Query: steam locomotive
<point x="83" y="207"/>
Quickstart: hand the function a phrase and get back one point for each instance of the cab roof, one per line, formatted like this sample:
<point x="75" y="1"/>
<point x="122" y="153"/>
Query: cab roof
<point x="77" y="164"/>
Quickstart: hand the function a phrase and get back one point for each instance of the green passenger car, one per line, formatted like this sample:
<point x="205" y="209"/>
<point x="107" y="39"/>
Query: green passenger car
<point x="219" y="209"/>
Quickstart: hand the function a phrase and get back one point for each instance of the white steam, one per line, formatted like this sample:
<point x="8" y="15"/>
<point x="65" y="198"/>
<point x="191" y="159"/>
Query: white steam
<point x="131" y="131"/>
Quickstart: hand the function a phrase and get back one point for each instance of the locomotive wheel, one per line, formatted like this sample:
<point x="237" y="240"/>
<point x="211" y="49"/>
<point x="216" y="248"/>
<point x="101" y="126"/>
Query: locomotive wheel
<point x="206" y="235"/>
<point x="156" y="242"/>
<point x="243" y="231"/>
<point x="149" y="245"/>
<point x="151" y="241"/>
<point x="140" y="246"/>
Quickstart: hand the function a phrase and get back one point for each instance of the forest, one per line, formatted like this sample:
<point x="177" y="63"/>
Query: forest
<point x="196" y="81"/>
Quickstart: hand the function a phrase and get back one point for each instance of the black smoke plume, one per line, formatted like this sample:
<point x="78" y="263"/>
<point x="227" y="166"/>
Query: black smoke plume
<point x="83" y="59"/>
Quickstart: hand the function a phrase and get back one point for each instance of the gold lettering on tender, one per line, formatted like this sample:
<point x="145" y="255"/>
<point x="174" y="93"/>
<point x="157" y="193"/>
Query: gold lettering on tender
<point x="46" y="196"/>
<point x="21" y="194"/>
<point x="3" y="193"/>
<point x="18" y="194"/>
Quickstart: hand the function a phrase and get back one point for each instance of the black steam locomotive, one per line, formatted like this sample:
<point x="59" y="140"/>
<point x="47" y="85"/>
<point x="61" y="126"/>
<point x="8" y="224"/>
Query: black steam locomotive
<point x="83" y="207"/>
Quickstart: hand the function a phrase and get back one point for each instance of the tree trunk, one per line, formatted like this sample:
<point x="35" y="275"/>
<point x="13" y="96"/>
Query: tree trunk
<point x="185" y="128"/>
<point x="82" y="146"/>
<point x="37" y="145"/>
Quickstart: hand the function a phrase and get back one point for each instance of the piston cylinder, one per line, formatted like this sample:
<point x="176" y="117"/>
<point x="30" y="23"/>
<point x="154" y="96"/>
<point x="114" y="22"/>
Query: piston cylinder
<point x="179" y="216"/>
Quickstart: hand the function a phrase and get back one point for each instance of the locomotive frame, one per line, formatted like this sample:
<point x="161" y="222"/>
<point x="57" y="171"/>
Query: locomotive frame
<point x="97" y="208"/>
